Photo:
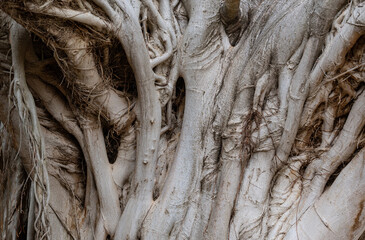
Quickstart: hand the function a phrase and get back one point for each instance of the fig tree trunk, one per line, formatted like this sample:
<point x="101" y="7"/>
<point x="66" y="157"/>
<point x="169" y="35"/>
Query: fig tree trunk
<point x="182" y="119"/>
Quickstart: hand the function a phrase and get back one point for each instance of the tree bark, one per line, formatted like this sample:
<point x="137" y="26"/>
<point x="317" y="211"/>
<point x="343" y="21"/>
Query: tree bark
<point x="182" y="119"/>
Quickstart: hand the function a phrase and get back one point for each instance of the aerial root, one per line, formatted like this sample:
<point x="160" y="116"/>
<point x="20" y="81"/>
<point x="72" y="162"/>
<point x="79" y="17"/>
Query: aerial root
<point x="24" y="101"/>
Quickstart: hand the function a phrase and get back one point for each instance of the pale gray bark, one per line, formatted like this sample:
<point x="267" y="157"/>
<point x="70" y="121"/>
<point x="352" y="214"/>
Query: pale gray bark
<point x="145" y="119"/>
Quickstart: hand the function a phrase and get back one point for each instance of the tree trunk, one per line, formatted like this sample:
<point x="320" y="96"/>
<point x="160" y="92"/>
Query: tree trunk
<point x="210" y="119"/>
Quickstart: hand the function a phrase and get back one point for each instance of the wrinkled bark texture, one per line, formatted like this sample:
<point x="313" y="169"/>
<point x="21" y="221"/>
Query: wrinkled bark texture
<point x="182" y="119"/>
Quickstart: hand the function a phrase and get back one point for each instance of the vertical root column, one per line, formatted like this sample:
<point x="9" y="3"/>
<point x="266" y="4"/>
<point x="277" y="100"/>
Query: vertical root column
<point x="107" y="192"/>
<point x="234" y="152"/>
<point x="24" y="101"/>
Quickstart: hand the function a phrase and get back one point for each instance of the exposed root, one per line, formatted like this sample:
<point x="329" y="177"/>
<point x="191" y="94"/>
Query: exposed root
<point x="27" y="112"/>
<point x="256" y="146"/>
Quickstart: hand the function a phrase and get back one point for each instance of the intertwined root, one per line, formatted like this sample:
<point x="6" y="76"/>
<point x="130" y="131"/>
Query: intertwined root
<point x="254" y="146"/>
